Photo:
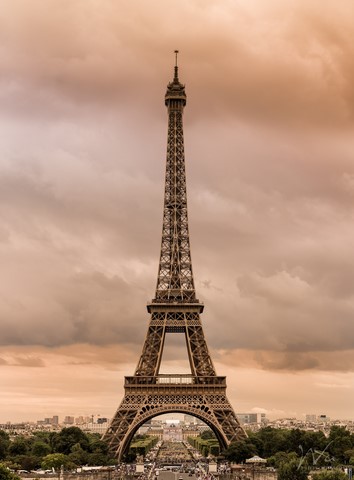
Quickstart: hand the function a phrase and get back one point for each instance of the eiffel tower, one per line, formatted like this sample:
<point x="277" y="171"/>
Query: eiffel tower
<point x="175" y="309"/>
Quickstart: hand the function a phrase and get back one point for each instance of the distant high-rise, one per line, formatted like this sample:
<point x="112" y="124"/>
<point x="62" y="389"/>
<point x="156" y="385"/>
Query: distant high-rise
<point x="50" y="420"/>
<point x="55" y="420"/>
<point x="68" y="420"/>
<point x="246" y="418"/>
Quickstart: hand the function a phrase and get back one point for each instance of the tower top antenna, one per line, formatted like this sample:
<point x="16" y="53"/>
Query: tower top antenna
<point x="176" y="67"/>
<point x="175" y="89"/>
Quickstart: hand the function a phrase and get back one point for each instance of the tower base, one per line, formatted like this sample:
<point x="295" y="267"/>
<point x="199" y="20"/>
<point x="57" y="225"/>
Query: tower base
<point x="147" y="397"/>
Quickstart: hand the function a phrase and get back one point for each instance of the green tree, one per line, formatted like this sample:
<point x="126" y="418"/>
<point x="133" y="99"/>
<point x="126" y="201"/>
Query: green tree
<point x="11" y="464"/>
<point x="314" y="441"/>
<point x="6" y="474"/>
<point x="67" y="438"/>
<point x="97" y="445"/>
<point x="4" y="444"/>
<point x="272" y="440"/>
<point x="42" y="436"/>
<point x="55" y="460"/>
<point x="53" y="440"/>
<point x="129" y="457"/>
<point x="340" y="440"/>
<point x="335" y="474"/>
<point x="294" y="440"/>
<point x="78" y="456"/>
<point x="207" y="435"/>
<point x="239" y="451"/>
<point x="349" y="454"/>
<point x="281" y="457"/>
<point x="293" y="470"/>
<point x="19" y="446"/>
<point x="27" y="462"/>
<point x="96" y="458"/>
<point x="40" y="448"/>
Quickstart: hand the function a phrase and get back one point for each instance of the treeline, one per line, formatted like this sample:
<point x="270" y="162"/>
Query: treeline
<point x="205" y="444"/>
<point x="71" y="447"/>
<point x="141" y="444"/>
<point x="314" y="447"/>
<point x="278" y="446"/>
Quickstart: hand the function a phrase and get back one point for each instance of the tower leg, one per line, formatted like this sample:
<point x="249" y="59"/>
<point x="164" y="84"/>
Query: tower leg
<point x="149" y="362"/>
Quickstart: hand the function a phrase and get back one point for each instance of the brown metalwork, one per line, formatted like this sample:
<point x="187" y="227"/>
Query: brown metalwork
<point x="175" y="309"/>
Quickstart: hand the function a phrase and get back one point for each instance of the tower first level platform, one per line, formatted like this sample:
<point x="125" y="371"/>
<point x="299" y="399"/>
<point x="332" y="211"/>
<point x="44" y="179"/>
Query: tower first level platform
<point x="146" y="397"/>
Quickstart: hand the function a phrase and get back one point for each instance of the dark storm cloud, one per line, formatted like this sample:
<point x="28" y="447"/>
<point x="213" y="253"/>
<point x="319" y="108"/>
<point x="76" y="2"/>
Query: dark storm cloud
<point x="288" y="361"/>
<point x="56" y="218"/>
<point x="269" y="162"/>
<point x="277" y="62"/>
<point x="83" y="308"/>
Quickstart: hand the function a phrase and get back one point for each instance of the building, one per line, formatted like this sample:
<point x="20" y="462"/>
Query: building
<point x="172" y="433"/>
<point x="323" y="418"/>
<point x="189" y="419"/>
<point x="102" y="420"/>
<point x="68" y="420"/>
<point x="49" y="421"/>
<point x="246" y="418"/>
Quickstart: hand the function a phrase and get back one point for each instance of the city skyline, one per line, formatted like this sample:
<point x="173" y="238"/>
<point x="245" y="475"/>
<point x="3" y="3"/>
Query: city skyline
<point x="77" y="419"/>
<point x="270" y="181"/>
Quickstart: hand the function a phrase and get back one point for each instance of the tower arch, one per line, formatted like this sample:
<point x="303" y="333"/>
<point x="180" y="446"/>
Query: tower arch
<point x="124" y="446"/>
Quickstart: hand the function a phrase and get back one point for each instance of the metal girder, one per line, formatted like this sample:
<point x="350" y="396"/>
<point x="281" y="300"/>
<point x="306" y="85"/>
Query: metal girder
<point x="175" y="277"/>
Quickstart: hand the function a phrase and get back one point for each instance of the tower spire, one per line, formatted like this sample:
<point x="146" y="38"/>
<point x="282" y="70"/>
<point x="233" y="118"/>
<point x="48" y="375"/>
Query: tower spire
<point x="175" y="278"/>
<point x="176" y="68"/>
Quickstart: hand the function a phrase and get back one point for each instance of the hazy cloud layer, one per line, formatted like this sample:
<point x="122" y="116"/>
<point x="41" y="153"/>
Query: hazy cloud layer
<point x="271" y="61"/>
<point x="85" y="383"/>
<point x="269" y="149"/>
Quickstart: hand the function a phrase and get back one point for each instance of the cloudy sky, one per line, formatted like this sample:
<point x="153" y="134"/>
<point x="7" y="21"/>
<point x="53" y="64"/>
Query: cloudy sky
<point x="270" y="172"/>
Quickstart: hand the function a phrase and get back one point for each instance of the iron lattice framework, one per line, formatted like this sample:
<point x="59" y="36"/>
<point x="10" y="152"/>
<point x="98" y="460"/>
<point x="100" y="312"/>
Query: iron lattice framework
<point x="175" y="309"/>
